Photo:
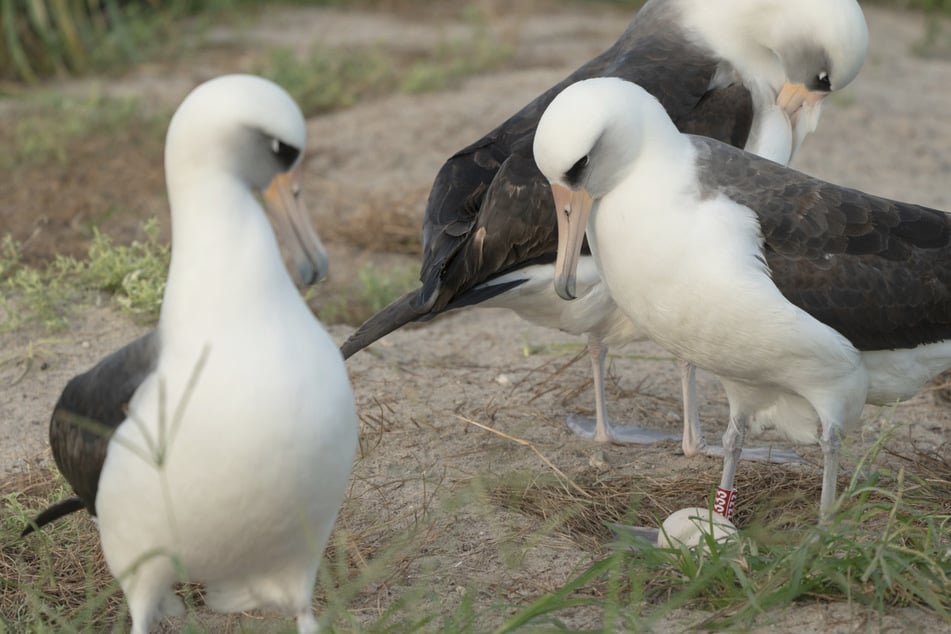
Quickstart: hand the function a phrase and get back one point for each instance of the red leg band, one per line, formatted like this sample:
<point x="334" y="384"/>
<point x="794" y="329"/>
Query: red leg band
<point x="724" y="502"/>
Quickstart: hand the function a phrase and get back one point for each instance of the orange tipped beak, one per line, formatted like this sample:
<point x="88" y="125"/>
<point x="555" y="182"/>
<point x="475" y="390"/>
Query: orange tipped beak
<point x="294" y="228"/>
<point x="572" y="209"/>
<point x="794" y="98"/>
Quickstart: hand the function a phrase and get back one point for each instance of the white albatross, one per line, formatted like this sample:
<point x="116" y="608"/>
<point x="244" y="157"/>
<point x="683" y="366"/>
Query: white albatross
<point x="752" y="73"/>
<point x="218" y="448"/>
<point x="804" y="298"/>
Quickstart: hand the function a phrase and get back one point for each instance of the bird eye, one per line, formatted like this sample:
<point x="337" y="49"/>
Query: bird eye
<point x="574" y="174"/>
<point x="286" y="154"/>
<point x="824" y="82"/>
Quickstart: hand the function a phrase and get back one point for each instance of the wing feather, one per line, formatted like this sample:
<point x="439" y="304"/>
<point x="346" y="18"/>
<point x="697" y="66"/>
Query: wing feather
<point x="876" y="270"/>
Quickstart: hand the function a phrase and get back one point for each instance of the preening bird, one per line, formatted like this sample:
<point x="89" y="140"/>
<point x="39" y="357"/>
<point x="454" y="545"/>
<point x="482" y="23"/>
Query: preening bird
<point x="752" y="73"/>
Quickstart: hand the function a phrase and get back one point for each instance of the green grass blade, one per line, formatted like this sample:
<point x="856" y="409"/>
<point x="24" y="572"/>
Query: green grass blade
<point x="14" y="45"/>
<point x="66" y="23"/>
<point x="43" y="27"/>
<point x="559" y="599"/>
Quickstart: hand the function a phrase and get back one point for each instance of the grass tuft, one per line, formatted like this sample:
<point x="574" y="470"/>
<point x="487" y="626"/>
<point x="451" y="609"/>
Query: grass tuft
<point x="333" y="78"/>
<point x="330" y="79"/>
<point x="56" y="580"/>
<point x="133" y="275"/>
<point x="455" y="60"/>
<point x="889" y="544"/>
<point x="374" y="290"/>
<point x="48" y="129"/>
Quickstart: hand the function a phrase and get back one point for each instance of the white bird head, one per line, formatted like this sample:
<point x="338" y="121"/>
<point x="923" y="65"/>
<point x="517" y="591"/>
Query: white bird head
<point x="247" y="129"/>
<point x="803" y="49"/>
<point x="587" y="140"/>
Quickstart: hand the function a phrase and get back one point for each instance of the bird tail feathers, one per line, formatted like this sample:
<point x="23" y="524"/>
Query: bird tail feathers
<point x="53" y="513"/>
<point x="397" y="314"/>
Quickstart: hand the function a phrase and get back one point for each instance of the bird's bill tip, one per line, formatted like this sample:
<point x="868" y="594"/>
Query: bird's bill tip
<point x="572" y="209"/>
<point x="795" y="96"/>
<point x="294" y="227"/>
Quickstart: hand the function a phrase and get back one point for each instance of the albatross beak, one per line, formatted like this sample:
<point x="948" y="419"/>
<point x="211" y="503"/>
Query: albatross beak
<point x="572" y="209"/>
<point x="293" y="224"/>
<point x="794" y="98"/>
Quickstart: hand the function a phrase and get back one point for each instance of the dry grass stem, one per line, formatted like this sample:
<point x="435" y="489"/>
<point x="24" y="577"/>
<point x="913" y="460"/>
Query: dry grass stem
<point x="530" y="445"/>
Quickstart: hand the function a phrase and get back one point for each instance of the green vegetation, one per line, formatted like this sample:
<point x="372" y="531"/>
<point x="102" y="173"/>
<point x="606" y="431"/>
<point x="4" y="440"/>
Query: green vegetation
<point x="454" y="60"/>
<point x="133" y="275"/>
<point x="888" y="545"/>
<point x="330" y="79"/>
<point x="59" y="581"/>
<point x="49" y="125"/>
<point x="41" y="38"/>
<point x="374" y="290"/>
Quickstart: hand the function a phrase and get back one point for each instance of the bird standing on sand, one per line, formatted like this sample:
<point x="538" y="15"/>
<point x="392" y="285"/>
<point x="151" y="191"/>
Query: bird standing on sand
<point x="218" y="448"/>
<point x="752" y="73"/>
<point x="806" y="299"/>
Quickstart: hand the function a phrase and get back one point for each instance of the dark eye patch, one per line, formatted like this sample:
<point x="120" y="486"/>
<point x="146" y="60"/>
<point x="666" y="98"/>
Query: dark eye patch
<point x="573" y="176"/>
<point x="286" y="154"/>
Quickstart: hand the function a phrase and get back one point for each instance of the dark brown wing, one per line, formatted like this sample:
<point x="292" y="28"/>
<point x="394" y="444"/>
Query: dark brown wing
<point x="89" y="410"/>
<point x="876" y="270"/>
<point x="724" y="114"/>
<point x="499" y="240"/>
<point x="470" y="236"/>
<point x="652" y="52"/>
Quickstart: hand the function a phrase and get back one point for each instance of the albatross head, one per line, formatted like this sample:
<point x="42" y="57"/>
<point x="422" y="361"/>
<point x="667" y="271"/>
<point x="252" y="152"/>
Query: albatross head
<point x="804" y="49"/>
<point x="821" y="45"/>
<point x="247" y="129"/>
<point x="586" y="142"/>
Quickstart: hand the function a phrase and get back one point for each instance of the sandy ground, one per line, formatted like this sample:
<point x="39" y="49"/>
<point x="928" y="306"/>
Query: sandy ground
<point x="418" y="389"/>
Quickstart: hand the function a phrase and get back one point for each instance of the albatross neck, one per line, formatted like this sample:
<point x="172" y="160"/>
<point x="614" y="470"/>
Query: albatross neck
<point x="225" y="258"/>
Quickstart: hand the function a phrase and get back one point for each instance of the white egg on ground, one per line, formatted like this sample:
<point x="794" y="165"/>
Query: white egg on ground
<point x="690" y="527"/>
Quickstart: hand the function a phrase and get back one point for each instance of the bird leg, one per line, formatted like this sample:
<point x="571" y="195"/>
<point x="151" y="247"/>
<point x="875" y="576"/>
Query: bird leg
<point x="599" y="352"/>
<point x="693" y="442"/>
<point x="830" y="443"/>
<point x="733" y="438"/>
<point x="306" y="623"/>
<point x="601" y="430"/>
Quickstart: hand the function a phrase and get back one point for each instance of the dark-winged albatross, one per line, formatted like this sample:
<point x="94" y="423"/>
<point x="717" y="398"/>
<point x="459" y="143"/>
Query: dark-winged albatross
<point x="747" y="72"/>
<point x="806" y="299"/>
<point x="218" y="448"/>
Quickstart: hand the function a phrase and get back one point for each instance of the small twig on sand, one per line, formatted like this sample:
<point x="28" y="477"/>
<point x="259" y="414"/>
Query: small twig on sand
<point x="526" y="443"/>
